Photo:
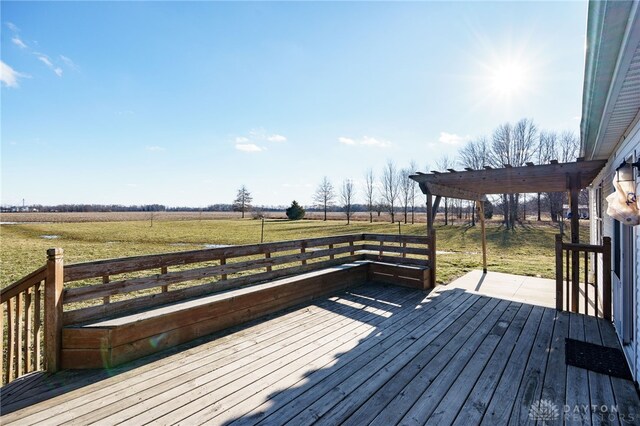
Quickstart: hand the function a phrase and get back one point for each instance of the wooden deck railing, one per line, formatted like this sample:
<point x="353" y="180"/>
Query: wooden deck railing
<point x="114" y="287"/>
<point x="572" y="278"/>
<point x="30" y="305"/>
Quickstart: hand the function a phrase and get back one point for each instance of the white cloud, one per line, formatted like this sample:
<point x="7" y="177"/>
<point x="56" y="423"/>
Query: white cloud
<point x="8" y="76"/>
<point x="365" y="141"/>
<point x="254" y="140"/>
<point x="346" y="141"/>
<point x="155" y="148"/>
<point x="276" y="138"/>
<point x="18" y="42"/>
<point x="452" y="138"/>
<point x="13" y="27"/>
<point x="44" y="59"/>
<point x="249" y="147"/>
<point x="68" y="62"/>
<point x="374" y="142"/>
<point x="47" y="61"/>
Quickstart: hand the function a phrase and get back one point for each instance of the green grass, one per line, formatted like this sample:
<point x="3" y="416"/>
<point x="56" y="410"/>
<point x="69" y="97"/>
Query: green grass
<point x="528" y="250"/>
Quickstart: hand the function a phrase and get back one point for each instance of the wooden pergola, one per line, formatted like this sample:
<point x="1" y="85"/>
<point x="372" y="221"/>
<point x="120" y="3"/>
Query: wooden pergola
<point x="475" y="185"/>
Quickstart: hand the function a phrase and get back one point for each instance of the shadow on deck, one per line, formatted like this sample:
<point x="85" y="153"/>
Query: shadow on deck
<point x="375" y="354"/>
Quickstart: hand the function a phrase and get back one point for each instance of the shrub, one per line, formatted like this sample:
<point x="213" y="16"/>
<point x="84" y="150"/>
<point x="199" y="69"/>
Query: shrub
<point x="295" y="212"/>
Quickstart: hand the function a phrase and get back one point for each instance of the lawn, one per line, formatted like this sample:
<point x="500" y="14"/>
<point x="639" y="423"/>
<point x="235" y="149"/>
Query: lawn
<point x="528" y="250"/>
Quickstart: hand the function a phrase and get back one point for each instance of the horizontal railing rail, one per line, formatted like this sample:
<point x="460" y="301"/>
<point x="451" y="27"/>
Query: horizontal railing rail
<point x="55" y="295"/>
<point x="574" y="276"/>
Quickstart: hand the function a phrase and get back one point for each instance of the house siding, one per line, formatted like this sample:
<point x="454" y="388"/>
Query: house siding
<point x="628" y="147"/>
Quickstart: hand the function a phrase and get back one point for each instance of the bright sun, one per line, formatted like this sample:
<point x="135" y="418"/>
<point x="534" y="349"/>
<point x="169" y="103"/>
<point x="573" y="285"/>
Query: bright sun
<point x="508" y="79"/>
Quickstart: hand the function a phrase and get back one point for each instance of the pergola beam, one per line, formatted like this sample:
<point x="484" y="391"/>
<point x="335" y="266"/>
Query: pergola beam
<point x="451" y="192"/>
<point x="513" y="180"/>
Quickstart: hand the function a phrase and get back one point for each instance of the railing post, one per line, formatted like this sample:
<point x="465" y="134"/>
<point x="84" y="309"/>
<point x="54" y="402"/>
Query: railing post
<point x="432" y="246"/>
<point x="559" y="292"/>
<point x="606" y="278"/>
<point x="53" y="308"/>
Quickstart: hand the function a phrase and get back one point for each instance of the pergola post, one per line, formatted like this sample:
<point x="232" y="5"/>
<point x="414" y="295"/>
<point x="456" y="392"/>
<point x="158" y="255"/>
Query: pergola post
<point x="574" y="192"/>
<point x="484" y="236"/>
<point x="429" y="213"/>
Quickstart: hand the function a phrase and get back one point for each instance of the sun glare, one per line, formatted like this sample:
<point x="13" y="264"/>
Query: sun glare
<point x="509" y="79"/>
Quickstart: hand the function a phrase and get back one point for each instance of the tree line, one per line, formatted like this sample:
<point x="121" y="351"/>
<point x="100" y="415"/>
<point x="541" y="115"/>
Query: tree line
<point x="392" y="191"/>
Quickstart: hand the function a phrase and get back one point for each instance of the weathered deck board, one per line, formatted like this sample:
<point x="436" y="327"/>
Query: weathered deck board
<point x="626" y="398"/>
<point x="599" y="384"/>
<point x="238" y="372"/>
<point x="506" y="330"/>
<point x="554" y="387"/>
<point x="479" y="396"/>
<point x="369" y="350"/>
<point x="577" y="393"/>
<point x="229" y="408"/>
<point x="378" y="354"/>
<point x="191" y="366"/>
<point x="441" y="379"/>
<point x="499" y="409"/>
<point x="327" y="393"/>
<point x="413" y="359"/>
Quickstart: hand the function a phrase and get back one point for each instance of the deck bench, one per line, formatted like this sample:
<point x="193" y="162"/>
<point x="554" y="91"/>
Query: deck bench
<point x="110" y="342"/>
<point x="113" y="341"/>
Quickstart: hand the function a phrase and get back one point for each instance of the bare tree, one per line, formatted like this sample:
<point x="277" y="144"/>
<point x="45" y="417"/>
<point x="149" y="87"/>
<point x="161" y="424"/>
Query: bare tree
<point x="545" y="152"/>
<point x="513" y="146"/>
<point x="474" y="155"/>
<point x="369" y="180"/>
<point x="347" y="194"/>
<point x="390" y="187"/>
<point x="380" y="206"/>
<point x="563" y="148"/>
<point x="413" y="167"/>
<point x="443" y="164"/>
<point x="242" y="203"/>
<point x="324" y="195"/>
<point x="405" y="191"/>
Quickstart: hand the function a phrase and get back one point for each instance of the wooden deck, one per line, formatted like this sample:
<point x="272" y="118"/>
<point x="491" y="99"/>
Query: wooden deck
<point x="374" y="355"/>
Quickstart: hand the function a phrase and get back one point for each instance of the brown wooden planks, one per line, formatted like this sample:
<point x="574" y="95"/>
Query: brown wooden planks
<point x="215" y="373"/>
<point x="132" y="340"/>
<point x="143" y="302"/>
<point x="600" y="388"/>
<point x="626" y="398"/>
<point x="22" y="284"/>
<point x="498" y="410"/>
<point x="118" y="266"/>
<point x="577" y="387"/>
<point x="239" y="343"/>
<point x="163" y="279"/>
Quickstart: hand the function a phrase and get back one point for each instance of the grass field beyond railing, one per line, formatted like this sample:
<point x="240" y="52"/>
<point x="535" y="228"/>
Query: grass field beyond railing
<point x="527" y="250"/>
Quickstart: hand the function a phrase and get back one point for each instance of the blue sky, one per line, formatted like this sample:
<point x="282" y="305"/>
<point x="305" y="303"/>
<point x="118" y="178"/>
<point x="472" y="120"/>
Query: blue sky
<point x="181" y="103"/>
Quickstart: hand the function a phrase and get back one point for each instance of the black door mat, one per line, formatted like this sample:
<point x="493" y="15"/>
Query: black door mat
<point x="601" y="359"/>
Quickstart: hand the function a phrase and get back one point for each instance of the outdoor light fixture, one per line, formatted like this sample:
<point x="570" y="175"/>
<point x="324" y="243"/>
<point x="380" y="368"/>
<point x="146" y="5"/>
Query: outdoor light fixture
<point x="624" y="203"/>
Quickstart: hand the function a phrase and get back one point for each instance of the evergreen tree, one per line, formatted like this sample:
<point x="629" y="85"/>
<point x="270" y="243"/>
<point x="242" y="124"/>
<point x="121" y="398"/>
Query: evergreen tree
<point x="243" y="200"/>
<point x="295" y="212"/>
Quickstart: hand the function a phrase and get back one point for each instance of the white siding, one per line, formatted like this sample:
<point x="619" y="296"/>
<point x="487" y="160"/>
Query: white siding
<point x="629" y="147"/>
